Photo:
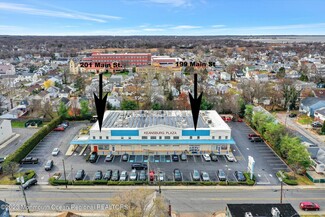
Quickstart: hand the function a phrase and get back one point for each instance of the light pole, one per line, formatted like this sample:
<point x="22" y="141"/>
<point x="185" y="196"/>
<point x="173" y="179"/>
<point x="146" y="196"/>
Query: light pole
<point x="281" y="181"/>
<point x="285" y="121"/>
<point x="65" y="177"/>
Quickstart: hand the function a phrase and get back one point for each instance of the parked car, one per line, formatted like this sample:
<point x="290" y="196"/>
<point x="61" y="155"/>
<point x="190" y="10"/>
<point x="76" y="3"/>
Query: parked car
<point x="80" y="175"/>
<point x="222" y="175"/>
<point x="161" y="177"/>
<point x="196" y="175"/>
<point x="316" y="124"/>
<point x="49" y="164"/>
<point x="205" y="176"/>
<point x="206" y="157"/>
<point x="98" y="175"/>
<point x="256" y="139"/>
<point x="109" y="157"/>
<point x="30" y="160"/>
<point x="108" y="175"/>
<point x="251" y="135"/>
<point x="2" y="159"/>
<point x="230" y="157"/>
<point x="124" y="176"/>
<point x="133" y="175"/>
<point x="59" y="128"/>
<point x="139" y="166"/>
<point x="183" y="157"/>
<point x="142" y="175"/>
<point x="65" y="124"/>
<point x="55" y="152"/>
<point x="306" y="205"/>
<point x="29" y="183"/>
<point x="213" y="157"/>
<point x="292" y="115"/>
<point x="177" y="175"/>
<point x="175" y="157"/>
<point x="125" y="157"/>
<point x="93" y="157"/>
<point x="151" y="175"/>
<point x="115" y="175"/>
<point x="240" y="176"/>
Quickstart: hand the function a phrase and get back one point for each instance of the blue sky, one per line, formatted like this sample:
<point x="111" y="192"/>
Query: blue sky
<point x="162" y="17"/>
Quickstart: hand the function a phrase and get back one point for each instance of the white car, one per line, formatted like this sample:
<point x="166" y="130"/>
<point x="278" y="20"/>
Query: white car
<point x="206" y="157"/>
<point x="55" y="152"/>
<point x="161" y="176"/>
<point x="230" y="157"/>
<point x="124" y="176"/>
<point x="133" y="175"/>
<point x="205" y="176"/>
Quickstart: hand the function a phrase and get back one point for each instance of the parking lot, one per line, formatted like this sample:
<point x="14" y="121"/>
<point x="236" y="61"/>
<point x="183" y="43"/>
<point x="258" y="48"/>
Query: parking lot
<point x="267" y="163"/>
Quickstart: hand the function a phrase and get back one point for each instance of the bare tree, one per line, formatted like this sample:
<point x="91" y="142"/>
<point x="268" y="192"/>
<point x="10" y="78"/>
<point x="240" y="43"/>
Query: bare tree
<point x="47" y="110"/>
<point x="10" y="168"/>
<point x="139" y="203"/>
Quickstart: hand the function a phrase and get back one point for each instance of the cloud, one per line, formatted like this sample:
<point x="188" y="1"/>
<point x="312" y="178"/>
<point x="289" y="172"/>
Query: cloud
<point x="174" y="3"/>
<point x="218" y="26"/>
<point x="22" y="8"/>
<point x="153" y="30"/>
<point x="186" y="27"/>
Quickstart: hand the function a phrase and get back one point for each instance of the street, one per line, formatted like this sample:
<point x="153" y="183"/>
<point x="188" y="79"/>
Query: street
<point x="182" y="200"/>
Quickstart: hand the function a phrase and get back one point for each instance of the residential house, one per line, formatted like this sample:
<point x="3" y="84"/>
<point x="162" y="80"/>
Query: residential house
<point x="53" y="92"/>
<point x="5" y="130"/>
<point x="225" y="76"/>
<point x="310" y="104"/>
<point x="293" y="74"/>
<point x="261" y="77"/>
<point x="222" y="88"/>
<point x="74" y="67"/>
<point x="319" y="114"/>
<point x="114" y="102"/>
<point x="116" y="79"/>
<point x="260" y="209"/>
<point x="7" y="69"/>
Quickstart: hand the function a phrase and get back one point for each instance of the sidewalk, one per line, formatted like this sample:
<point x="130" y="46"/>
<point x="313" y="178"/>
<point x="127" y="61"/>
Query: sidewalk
<point x="121" y="188"/>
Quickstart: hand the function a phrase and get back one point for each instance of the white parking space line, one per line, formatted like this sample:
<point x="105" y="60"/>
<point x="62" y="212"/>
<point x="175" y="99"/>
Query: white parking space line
<point x="247" y="149"/>
<point x="194" y="157"/>
<point x="191" y="176"/>
<point x="270" y="175"/>
<point x="258" y="175"/>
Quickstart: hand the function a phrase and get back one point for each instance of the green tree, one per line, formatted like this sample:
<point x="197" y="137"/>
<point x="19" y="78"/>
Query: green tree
<point x="84" y="108"/>
<point x="298" y="158"/>
<point x="62" y="111"/>
<point x="249" y="113"/>
<point x="156" y="106"/>
<point x="281" y="73"/>
<point x="205" y="105"/>
<point x="287" y="143"/>
<point x="323" y="128"/>
<point x="129" y="105"/>
<point x="273" y="134"/>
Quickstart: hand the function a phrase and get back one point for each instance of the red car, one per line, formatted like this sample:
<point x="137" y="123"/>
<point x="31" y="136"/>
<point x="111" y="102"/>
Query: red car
<point x="152" y="175"/>
<point x="251" y="135"/>
<point x="240" y="120"/>
<point x="59" y="128"/>
<point x="309" y="206"/>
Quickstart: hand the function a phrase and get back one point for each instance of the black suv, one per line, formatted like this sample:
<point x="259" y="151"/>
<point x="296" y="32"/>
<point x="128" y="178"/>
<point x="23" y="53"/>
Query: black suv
<point x="93" y="157"/>
<point x="177" y="175"/>
<point x="80" y="175"/>
<point x="29" y="160"/>
<point x="139" y="166"/>
<point x="48" y="166"/>
<point x="213" y="157"/>
<point x="175" y="157"/>
<point x="256" y="139"/>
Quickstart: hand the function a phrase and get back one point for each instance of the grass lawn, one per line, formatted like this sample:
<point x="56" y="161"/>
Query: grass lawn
<point x="304" y="119"/>
<point x="18" y="124"/>
<point x="302" y="180"/>
<point x="5" y="180"/>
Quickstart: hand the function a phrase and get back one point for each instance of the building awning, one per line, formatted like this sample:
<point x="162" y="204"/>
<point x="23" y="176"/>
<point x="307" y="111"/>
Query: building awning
<point x="154" y="142"/>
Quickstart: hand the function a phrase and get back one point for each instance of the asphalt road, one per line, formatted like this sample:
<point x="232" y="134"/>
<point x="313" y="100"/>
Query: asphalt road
<point x="183" y="201"/>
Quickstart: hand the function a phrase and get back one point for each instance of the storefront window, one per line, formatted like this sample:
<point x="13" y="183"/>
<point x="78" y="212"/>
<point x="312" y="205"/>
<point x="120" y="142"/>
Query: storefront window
<point x="176" y="137"/>
<point x="144" y="137"/>
<point x="153" y="137"/>
<point x="167" y="137"/>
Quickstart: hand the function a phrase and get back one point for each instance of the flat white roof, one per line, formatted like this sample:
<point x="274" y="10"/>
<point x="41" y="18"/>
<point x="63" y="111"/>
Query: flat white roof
<point x="182" y="119"/>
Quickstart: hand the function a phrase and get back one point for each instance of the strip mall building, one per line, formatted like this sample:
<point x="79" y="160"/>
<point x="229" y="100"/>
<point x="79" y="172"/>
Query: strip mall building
<point x="159" y="132"/>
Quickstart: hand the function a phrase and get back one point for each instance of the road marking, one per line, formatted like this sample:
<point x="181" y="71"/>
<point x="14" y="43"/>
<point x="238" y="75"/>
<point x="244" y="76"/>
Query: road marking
<point x="247" y="149"/>
<point x="258" y="175"/>
<point x="270" y="175"/>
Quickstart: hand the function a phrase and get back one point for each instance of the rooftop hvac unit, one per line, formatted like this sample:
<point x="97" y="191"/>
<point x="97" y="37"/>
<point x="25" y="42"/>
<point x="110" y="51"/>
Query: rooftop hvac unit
<point x="248" y="214"/>
<point x="275" y="212"/>
<point x="209" y="121"/>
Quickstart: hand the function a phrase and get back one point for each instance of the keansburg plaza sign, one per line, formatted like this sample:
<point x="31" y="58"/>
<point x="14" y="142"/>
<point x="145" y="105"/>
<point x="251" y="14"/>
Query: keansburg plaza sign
<point x="159" y="133"/>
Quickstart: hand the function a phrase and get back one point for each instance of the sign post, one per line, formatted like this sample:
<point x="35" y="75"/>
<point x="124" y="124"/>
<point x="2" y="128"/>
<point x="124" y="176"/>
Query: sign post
<point x="251" y="164"/>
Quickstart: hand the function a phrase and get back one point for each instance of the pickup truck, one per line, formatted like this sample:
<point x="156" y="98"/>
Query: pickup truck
<point x="29" y="160"/>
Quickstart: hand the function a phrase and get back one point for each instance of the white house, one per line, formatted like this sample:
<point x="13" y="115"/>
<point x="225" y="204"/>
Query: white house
<point x="261" y="77"/>
<point x="7" y="69"/>
<point x="319" y="114"/>
<point x="5" y="130"/>
<point x="225" y="76"/>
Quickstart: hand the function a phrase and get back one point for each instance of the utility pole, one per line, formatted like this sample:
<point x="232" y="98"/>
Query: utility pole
<point x="281" y="191"/>
<point x="23" y="190"/>
<point x="65" y="177"/>
<point x="159" y="184"/>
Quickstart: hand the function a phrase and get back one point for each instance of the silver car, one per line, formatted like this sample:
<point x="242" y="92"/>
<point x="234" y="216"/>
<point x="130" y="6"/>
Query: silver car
<point x="133" y="175"/>
<point x="205" y="176"/>
<point x="196" y="175"/>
